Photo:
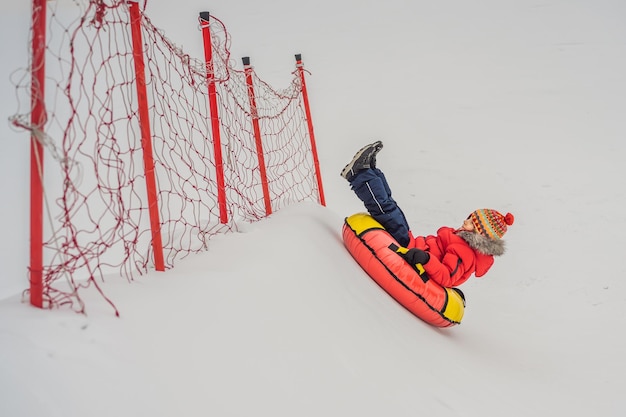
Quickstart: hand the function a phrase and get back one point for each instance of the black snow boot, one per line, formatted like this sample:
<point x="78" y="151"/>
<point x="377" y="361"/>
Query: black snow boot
<point x="365" y="158"/>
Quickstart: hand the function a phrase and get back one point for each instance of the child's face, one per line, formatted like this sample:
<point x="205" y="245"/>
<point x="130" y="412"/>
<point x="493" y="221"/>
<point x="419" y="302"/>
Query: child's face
<point x="468" y="225"/>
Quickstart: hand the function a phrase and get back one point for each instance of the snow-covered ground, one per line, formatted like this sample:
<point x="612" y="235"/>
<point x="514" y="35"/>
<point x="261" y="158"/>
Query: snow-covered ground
<point x="507" y="104"/>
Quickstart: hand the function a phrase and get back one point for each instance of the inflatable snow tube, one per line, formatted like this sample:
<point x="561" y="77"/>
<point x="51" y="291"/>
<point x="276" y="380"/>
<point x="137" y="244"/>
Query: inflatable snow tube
<point x="371" y="246"/>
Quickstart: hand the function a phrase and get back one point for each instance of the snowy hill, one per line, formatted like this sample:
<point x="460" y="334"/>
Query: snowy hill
<point x="279" y="320"/>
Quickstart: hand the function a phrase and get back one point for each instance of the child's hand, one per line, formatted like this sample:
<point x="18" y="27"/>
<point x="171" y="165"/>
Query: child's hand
<point x="417" y="258"/>
<point x="414" y="256"/>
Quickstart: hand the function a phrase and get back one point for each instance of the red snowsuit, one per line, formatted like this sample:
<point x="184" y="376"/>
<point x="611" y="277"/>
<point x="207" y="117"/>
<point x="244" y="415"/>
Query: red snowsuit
<point x="452" y="259"/>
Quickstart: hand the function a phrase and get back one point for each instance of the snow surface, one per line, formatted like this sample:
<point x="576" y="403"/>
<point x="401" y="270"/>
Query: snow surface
<point x="514" y="105"/>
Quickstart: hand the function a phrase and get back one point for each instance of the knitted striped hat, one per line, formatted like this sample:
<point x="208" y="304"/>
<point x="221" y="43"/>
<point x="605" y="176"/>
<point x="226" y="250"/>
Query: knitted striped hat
<point x="491" y="223"/>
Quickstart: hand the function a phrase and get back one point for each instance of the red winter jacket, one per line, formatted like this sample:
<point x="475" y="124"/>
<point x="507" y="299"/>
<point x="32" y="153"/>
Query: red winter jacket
<point x="457" y="254"/>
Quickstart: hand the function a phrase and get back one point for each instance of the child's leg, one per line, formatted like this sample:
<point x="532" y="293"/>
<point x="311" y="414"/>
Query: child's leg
<point x="382" y="177"/>
<point x="371" y="187"/>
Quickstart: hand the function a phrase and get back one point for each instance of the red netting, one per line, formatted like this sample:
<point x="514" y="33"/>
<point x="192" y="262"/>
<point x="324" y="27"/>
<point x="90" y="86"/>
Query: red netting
<point x="98" y="219"/>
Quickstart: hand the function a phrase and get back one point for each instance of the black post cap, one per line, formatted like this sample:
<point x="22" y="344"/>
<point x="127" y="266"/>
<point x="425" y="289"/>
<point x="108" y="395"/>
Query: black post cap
<point x="246" y="60"/>
<point x="204" y="16"/>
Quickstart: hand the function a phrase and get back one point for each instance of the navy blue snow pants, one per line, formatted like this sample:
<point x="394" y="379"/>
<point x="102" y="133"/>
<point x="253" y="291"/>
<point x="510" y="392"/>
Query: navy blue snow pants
<point x="371" y="187"/>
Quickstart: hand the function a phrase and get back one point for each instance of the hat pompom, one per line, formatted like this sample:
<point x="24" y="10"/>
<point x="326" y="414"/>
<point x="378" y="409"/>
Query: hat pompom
<point x="509" y="219"/>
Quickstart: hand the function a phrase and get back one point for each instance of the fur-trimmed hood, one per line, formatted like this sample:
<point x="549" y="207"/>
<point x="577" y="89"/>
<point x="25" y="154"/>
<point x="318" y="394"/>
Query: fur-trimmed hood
<point x="483" y="244"/>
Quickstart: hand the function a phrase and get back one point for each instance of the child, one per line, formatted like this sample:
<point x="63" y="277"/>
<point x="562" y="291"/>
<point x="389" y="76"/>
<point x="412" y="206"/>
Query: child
<point x="452" y="255"/>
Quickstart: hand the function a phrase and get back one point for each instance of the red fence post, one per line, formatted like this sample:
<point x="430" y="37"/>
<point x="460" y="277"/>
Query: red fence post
<point x="257" y="135"/>
<point x="38" y="120"/>
<point x="146" y="136"/>
<point x="309" y="121"/>
<point x="215" y="120"/>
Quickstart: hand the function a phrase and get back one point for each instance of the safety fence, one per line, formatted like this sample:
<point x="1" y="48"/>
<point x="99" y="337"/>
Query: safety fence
<point x="148" y="151"/>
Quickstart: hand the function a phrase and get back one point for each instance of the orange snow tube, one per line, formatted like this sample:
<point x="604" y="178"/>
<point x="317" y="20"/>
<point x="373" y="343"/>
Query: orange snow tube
<point x="369" y="244"/>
